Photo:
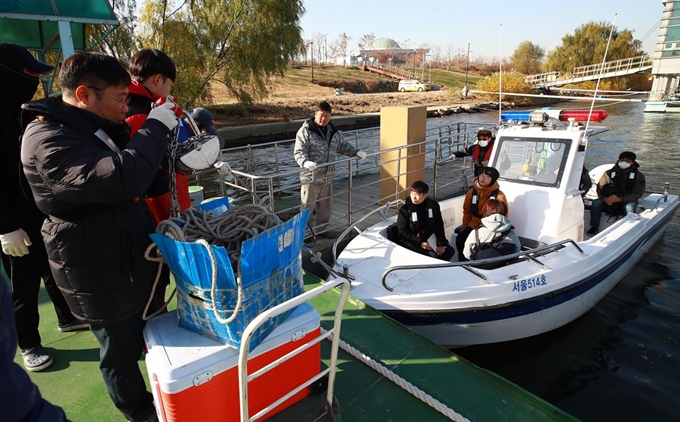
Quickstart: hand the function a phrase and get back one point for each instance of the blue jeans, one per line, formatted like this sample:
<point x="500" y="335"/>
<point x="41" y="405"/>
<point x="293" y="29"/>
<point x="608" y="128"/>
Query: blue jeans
<point x="121" y="344"/>
<point x="598" y="205"/>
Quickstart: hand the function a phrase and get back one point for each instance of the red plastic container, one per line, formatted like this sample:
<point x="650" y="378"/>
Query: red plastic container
<point x="195" y="378"/>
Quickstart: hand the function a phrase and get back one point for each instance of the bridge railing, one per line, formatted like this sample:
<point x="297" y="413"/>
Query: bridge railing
<point x="542" y="77"/>
<point x="623" y="66"/>
<point x="630" y="64"/>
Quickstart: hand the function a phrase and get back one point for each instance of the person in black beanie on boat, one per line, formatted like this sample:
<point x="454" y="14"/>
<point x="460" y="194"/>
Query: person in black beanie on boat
<point x="418" y="219"/>
<point x="619" y="190"/>
<point x="23" y="250"/>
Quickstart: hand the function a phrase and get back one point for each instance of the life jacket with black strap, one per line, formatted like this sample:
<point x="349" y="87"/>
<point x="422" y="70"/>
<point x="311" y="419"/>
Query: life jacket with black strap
<point x="623" y="184"/>
<point x="474" y="206"/>
<point x="413" y="216"/>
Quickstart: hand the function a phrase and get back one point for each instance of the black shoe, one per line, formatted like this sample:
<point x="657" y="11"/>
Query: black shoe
<point x="593" y="231"/>
<point x="74" y="325"/>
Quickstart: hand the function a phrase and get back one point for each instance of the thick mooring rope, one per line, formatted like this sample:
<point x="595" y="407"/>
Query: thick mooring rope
<point x="229" y="230"/>
<point x="401" y="382"/>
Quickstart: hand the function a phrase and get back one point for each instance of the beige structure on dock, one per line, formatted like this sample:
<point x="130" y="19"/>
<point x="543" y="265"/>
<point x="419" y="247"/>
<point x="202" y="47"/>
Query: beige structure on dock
<point x="401" y="126"/>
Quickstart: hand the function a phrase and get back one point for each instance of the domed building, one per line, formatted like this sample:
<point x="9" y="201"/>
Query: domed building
<point x="383" y="44"/>
<point x="384" y="50"/>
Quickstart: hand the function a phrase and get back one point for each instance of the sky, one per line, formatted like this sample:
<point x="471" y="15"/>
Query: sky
<point x="494" y="28"/>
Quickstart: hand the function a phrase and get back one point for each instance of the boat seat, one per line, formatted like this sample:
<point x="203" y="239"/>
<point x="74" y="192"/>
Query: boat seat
<point x="530" y="243"/>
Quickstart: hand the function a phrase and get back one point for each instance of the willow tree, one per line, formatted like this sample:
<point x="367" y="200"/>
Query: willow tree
<point x="240" y="43"/>
<point x="528" y="58"/>
<point x="587" y="46"/>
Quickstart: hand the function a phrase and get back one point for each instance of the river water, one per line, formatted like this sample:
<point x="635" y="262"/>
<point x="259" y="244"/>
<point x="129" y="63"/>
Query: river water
<point x="620" y="361"/>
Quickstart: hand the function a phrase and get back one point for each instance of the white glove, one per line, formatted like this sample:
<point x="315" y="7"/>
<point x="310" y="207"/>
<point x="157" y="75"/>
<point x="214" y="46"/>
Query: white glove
<point x="222" y="167"/>
<point x="361" y="156"/>
<point x="165" y="113"/>
<point x="310" y="165"/>
<point x="15" y="243"/>
<point x="453" y="157"/>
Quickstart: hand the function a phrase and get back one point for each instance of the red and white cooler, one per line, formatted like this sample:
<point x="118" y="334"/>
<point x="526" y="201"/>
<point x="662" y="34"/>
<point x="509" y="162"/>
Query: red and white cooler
<point x="195" y="378"/>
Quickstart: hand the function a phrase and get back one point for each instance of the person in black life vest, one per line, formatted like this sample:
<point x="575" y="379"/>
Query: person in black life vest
<point x="484" y="187"/>
<point x="619" y="188"/>
<point x="418" y="219"/>
<point x="480" y="151"/>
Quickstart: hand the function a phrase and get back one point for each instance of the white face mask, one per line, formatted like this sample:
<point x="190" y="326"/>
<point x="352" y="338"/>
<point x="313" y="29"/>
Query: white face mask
<point x="483" y="144"/>
<point x="623" y="165"/>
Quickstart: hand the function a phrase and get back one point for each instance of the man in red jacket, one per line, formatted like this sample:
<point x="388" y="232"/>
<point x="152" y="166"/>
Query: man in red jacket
<point x="153" y="76"/>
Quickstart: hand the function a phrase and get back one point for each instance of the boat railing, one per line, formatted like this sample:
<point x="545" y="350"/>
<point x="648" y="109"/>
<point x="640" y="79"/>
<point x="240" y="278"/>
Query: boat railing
<point x="531" y="255"/>
<point x="270" y="171"/>
<point x="381" y="210"/>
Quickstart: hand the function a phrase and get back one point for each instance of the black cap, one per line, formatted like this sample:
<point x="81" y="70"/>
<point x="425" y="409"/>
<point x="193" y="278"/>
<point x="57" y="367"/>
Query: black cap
<point x="205" y="120"/>
<point x="17" y="57"/>
<point x="627" y="154"/>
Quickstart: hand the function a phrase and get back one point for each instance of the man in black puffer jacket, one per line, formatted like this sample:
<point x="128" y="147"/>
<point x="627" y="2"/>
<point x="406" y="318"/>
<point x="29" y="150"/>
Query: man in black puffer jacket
<point x="87" y="176"/>
<point x="23" y="251"/>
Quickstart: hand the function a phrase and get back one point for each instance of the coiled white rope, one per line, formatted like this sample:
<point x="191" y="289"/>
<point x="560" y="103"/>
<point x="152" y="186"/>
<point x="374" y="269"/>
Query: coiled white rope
<point x="401" y="382"/>
<point x="229" y="230"/>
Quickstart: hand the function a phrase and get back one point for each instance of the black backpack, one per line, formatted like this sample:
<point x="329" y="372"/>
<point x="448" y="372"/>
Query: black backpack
<point x="492" y="249"/>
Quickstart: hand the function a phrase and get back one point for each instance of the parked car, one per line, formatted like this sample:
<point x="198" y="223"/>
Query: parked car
<point x="413" y="85"/>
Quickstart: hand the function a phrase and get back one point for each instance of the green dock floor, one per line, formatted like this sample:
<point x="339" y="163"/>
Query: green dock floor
<point x="74" y="382"/>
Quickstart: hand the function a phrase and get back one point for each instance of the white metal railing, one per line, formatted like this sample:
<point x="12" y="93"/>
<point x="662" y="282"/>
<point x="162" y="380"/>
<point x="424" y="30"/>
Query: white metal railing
<point x="269" y="170"/>
<point x="334" y="334"/>
<point x="613" y="68"/>
<point x="630" y="65"/>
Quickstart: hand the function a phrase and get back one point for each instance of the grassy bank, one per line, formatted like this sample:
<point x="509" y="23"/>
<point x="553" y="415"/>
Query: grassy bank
<point x="294" y="95"/>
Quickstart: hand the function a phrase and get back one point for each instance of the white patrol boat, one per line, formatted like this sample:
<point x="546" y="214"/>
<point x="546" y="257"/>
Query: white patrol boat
<point x="559" y="274"/>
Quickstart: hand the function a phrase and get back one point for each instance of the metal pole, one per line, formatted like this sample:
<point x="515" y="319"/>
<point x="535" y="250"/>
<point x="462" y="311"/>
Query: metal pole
<point x="467" y="66"/>
<point x="414" y="62"/>
<point x="312" y="48"/>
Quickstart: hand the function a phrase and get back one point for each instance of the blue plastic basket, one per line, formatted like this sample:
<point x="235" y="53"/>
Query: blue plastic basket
<point x="271" y="273"/>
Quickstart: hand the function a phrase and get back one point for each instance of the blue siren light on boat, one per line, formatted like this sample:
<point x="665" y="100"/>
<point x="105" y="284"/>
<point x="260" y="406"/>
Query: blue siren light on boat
<point x="561" y="115"/>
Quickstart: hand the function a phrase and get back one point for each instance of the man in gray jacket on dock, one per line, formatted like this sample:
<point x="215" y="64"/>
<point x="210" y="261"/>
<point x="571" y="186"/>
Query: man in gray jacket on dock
<point x="316" y="144"/>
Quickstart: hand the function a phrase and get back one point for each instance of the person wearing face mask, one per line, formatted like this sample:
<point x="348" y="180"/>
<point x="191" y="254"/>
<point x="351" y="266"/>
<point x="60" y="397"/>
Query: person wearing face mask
<point x="620" y="188"/>
<point x="480" y="151"/>
<point x="23" y="251"/>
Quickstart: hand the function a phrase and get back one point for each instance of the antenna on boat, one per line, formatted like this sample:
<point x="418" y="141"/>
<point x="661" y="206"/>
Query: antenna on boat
<point x="500" y="73"/>
<point x="599" y="77"/>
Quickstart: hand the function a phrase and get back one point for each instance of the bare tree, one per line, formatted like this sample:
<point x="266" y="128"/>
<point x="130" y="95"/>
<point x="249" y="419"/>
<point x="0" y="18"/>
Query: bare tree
<point x="319" y="40"/>
<point x="366" y="40"/>
<point x="339" y="47"/>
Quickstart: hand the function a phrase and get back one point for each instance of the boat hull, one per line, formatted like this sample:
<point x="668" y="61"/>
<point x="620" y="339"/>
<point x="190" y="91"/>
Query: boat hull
<point x="662" y="107"/>
<point x="527" y="318"/>
<point x="466" y="310"/>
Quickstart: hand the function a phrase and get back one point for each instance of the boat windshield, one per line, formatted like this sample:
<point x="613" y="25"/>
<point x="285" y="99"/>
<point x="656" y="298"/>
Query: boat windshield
<point x="533" y="161"/>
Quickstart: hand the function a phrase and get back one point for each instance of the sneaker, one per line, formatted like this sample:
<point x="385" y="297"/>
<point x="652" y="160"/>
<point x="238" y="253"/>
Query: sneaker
<point x="593" y="231"/>
<point x="36" y="359"/>
<point x="74" y="325"/>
